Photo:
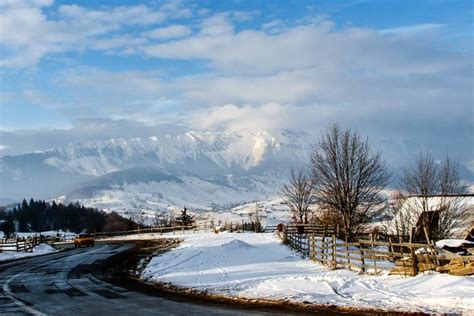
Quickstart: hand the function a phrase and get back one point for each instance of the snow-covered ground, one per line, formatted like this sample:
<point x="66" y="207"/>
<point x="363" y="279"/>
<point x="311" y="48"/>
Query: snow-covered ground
<point x="252" y="266"/>
<point x="41" y="249"/>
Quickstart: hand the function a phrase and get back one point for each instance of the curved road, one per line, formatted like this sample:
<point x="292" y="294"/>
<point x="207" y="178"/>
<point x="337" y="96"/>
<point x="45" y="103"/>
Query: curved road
<point x="61" y="284"/>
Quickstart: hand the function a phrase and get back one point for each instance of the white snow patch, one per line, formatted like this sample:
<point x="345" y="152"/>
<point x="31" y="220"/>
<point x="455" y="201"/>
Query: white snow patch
<point x="41" y="249"/>
<point x="452" y="242"/>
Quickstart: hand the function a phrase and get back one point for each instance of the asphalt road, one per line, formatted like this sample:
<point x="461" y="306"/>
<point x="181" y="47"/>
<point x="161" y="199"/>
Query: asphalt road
<point x="61" y="284"/>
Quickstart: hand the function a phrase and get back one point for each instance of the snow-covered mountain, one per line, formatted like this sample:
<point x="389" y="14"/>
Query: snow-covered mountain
<point x="203" y="153"/>
<point x="200" y="170"/>
<point x="196" y="169"/>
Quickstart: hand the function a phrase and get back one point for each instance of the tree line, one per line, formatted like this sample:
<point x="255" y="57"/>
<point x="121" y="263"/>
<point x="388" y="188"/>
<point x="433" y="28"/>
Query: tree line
<point x="38" y="216"/>
<point x="344" y="180"/>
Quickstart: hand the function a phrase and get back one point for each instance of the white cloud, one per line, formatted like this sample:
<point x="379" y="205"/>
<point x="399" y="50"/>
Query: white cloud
<point x="171" y="31"/>
<point x="241" y="16"/>
<point x="267" y="117"/>
<point x="138" y="15"/>
<point x="277" y="75"/>
<point x="115" y="42"/>
<point x="28" y="34"/>
<point x="93" y="91"/>
<point x="176" y="9"/>
<point x="26" y="3"/>
<point x="411" y="29"/>
<point x="304" y="46"/>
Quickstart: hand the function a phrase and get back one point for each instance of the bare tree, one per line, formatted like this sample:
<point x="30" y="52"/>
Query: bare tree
<point x="453" y="210"/>
<point x="256" y="216"/>
<point x="401" y="222"/>
<point x="299" y="196"/>
<point x="138" y="217"/>
<point x="433" y="196"/>
<point x="160" y="218"/>
<point x="348" y="177"/>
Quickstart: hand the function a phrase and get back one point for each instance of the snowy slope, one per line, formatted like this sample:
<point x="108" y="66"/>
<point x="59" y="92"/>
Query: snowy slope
<point x="195" y="169"/>
<point x="192" y="192"/>
<point x="240" y="161"/>
<point x="254" y="266"/>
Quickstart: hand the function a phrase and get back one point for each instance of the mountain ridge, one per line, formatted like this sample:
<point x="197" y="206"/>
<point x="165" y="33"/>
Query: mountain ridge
<point x="206" y="155"/>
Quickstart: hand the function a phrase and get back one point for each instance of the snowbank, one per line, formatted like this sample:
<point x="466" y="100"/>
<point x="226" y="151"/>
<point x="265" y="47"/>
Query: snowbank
<point x="41" y="249"/>
<point x="452" y="242"/>
<point x="251" y="265"/>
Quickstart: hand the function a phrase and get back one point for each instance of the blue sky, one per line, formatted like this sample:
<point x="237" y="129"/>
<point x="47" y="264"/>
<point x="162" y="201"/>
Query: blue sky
<point x="392" y="69"/>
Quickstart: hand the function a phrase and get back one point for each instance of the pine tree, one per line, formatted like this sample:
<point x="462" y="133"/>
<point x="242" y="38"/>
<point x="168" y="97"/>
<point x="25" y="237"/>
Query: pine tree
<point x="185" y="219"/>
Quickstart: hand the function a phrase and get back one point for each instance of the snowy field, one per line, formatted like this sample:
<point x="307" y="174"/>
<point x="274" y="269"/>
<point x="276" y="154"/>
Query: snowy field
<point x="41" y="249"/>
<point x="253" y="266"/>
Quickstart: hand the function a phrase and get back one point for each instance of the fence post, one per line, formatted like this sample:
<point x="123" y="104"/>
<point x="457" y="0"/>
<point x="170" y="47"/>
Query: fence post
<point x="348" y="254"/>
<point x="373" y="253"/>
<point x="435" y="253"/>
<point x="300" y="243"/>
<point x="362" y="257"/>
<point x="334" y="261"/>
<point x="414" y="266"/>
<point x="324" y="250"/>
<point x="390" y="248"/>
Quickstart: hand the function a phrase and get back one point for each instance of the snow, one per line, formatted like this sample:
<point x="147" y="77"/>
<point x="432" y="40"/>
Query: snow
<point x="249" y="265"/>
<point x="229" y="149"/>
<point x="411" y="210"/>
<point x="192" y="192"/>
<point x="453" y="242"/>
<point x="41" y="249"/>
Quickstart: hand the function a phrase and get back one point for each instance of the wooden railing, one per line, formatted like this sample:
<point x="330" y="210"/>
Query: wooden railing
<point x="322" y="244"/>
<point x="160" y="230"/>
<point x="18" y="245"/>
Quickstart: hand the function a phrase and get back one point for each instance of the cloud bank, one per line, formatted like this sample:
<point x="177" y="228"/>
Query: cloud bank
<point x="210" y="70"/>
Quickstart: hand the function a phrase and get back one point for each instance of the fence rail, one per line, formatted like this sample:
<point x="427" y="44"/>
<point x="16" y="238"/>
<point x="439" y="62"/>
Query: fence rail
<point x="18" y="245"/>
<point x="161" y="230"/>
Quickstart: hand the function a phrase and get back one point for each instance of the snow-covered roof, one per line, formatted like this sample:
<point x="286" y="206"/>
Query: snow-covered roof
<point x="411" y="210"/>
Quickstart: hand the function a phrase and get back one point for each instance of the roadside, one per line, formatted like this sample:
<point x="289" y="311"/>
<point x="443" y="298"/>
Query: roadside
<point x="258" y="269"/>
<point x="41" y="249"/>
<point x="126" y="270"/>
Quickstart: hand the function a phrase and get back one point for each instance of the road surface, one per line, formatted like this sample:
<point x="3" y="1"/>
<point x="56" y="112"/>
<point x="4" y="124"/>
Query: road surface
<point x="61" y="284"/>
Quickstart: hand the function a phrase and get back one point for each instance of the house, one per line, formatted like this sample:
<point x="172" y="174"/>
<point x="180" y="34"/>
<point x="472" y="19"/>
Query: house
<point x="409" y="217"/>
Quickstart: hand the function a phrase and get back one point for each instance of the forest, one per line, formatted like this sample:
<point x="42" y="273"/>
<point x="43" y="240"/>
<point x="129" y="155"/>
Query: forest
<point x="40" y="216"/>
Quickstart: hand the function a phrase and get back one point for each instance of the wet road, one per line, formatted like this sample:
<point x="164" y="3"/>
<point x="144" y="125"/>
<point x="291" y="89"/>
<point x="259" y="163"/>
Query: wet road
<point x="61" y="284"/>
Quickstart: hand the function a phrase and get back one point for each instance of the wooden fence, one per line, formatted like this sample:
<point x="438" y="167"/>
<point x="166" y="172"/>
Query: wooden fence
<point x="323" y="244"/>
<point x="160" y="230"/>
<point x="233" y="227"/>
<point x="23" y="245"/>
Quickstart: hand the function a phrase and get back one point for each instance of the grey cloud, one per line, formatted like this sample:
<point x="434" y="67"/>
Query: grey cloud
<point x="87" y="129"/>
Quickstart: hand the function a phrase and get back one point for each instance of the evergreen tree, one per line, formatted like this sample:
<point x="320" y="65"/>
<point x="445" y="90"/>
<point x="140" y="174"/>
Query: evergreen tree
<point x="8" y="226"/>
<point x="185" y="219"/>
<point x="37" y="216"/>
